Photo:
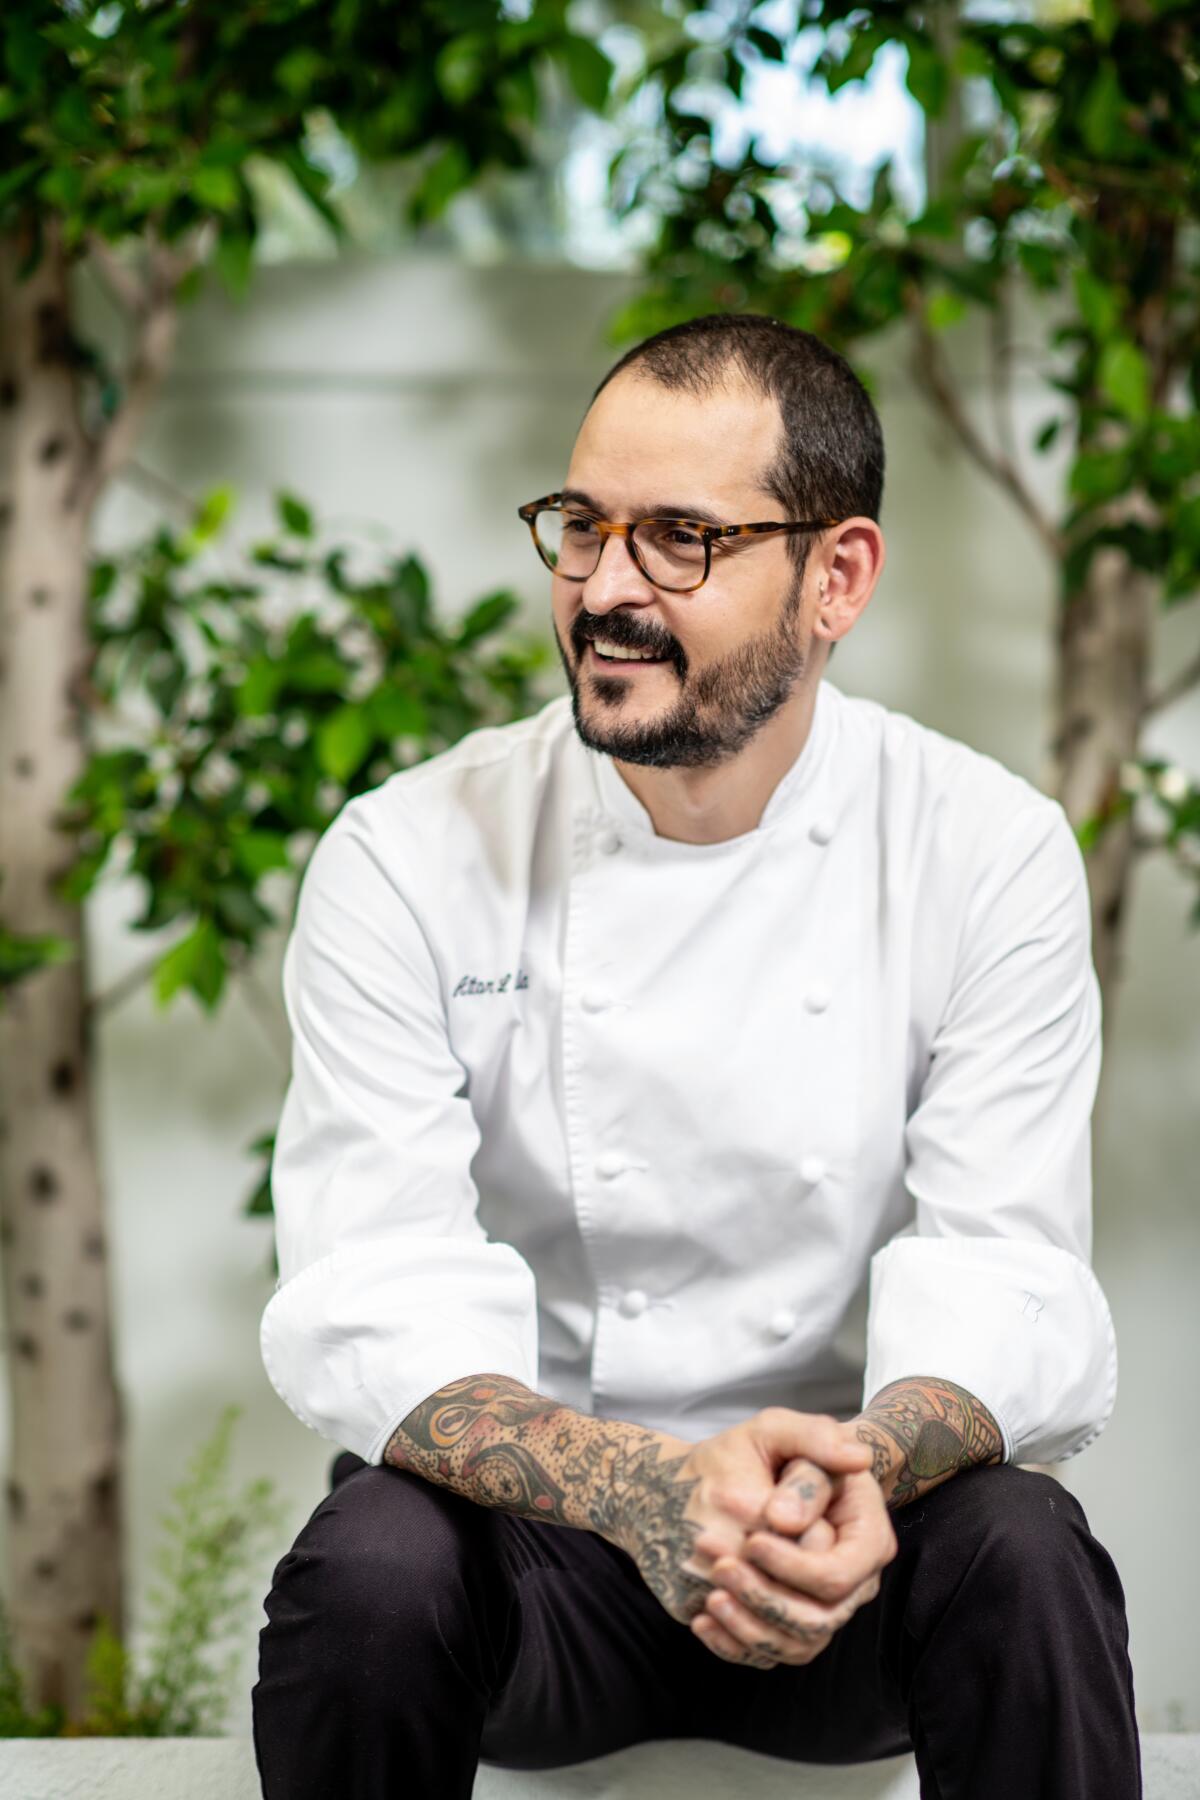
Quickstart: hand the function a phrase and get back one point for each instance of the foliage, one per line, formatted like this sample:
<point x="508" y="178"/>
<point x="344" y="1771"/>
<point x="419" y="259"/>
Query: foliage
<point x="240" y="706"/>
<point x="180" y="1687"/>
<point x="20" y="956"/>
<point x="1074" y="180"/>
<point x="149" y="121"/>
<point x="1082" y="180"/>
<point x="271" y="693"/>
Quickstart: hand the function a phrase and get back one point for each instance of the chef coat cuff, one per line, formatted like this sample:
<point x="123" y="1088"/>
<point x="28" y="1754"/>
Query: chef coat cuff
<point x="1022" y="1325"/>
<point x="359" y="1338"/>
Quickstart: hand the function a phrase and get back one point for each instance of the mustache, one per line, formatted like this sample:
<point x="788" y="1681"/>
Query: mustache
<point x="586" y="633"/>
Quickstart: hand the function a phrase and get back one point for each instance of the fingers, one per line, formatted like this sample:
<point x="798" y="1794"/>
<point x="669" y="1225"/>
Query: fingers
<point x="723" y="1643"/>
<point x="820" y="1535"/>
<point x="708" y="1547"/>
<point x="775" y="1604"/>
<point x="758" y="1637"/>
<point x="818" y="1436"/>
<point x="802" y="1493"/>
<point x="865" y="1543"/>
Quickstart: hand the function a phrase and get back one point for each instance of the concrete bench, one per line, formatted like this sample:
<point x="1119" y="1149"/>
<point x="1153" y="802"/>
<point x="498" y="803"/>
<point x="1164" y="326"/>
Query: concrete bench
<point x="223" y="1769"/>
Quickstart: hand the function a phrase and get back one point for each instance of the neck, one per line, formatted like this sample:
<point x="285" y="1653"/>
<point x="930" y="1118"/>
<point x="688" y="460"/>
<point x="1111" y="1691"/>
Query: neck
<point x="709" y="805"/>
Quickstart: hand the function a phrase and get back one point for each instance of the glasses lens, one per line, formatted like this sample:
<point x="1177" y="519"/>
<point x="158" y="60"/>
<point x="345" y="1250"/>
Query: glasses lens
<point x="569" y="541"/>
<point x="671" y="554"/>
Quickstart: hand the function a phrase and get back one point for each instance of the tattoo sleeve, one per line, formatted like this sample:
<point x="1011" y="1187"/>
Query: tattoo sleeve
<point x="923" y="1429"/>
<point x="498" y="1443"/>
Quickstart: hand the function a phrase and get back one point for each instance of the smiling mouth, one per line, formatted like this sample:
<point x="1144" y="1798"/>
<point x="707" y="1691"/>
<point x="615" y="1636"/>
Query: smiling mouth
<point x="598" y="660"/>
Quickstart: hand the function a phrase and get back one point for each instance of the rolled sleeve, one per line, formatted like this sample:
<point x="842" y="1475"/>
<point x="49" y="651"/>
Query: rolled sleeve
<point x="991" y="1286"/>
<point x="389" y="1286"/>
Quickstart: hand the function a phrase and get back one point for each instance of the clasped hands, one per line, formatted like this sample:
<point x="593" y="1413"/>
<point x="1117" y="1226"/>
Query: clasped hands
<point x="794" y="1533"/>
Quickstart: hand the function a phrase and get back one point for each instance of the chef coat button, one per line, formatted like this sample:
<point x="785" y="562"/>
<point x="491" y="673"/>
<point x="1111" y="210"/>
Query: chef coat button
<point x="813" y="1168"/>
<point x="593" y="1001"/>
<point x="633" y="1302"/>
<point x="783" y="1323"/>
<point x="821" y="830"/>
<point x="610" y="1163"/>
<point x="817" y="998"/>
<point x="609" y="841"/>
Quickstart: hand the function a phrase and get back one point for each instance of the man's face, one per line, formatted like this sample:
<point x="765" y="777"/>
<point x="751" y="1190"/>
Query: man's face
<point x="736" y="647"/>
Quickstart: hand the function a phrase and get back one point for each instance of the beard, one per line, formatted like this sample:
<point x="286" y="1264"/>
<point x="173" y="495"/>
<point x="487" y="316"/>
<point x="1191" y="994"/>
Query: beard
<point x="717" y="711"/>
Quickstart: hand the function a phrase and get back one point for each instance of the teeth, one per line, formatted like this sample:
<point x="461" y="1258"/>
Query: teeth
<point x="626" y="655"/>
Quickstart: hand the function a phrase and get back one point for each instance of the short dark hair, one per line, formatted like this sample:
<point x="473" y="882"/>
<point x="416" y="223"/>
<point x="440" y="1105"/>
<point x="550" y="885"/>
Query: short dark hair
<point x="831" y="463"/>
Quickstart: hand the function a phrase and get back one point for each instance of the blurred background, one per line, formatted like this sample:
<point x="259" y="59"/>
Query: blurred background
<point x="395" y="322"/>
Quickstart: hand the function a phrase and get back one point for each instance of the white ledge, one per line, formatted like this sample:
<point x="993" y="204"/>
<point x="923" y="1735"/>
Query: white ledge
<point x="223" y="1769"/>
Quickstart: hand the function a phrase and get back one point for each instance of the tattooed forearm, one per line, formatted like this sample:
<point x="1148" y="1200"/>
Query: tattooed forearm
<point x="923" y="1429"/>
<point x="498" y="1443"/>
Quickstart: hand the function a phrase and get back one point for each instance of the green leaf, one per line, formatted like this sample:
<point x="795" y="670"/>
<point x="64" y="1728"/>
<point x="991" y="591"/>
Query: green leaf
<point x="197" y="962"/>
<point x="397" y="714"/>
<point x="212" y="512"/>
<point x="1100" y="112"/>
<point x="460" y="66"/>
<point x="766" y="43"/>
<point x="1100" y="475"/>
<point x="926" y="78"/>
<point x="259" y="689"/>
<point x="343" y="741"/>
<point x="300" y="70"/>
<point x="944" y="308"/>
<point x="856" y="64"/>
<point x="1124" y="378"/>
<point x="1049" y="432"/>
<point x="450" y="172"/>
<point x="486" y="615"/>
<point x="22" y="956"/>
<point x="588" y="70"/>
<point x="1104" y="20"/>
<point x="215" y="188"/>
<point x="319" y="672"/>
<point x="258" y="851"/>
<point x="294" y="515"/>
<point x="234" y="260"/>
<point x="1099" y="304"/>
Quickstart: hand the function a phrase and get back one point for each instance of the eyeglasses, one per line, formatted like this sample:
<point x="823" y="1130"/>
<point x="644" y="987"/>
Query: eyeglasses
<point x="675" y="554"/>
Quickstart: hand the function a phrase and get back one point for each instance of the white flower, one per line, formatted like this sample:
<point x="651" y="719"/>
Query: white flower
<point x="294" y="731"/>
<point x="330" y="795"/>
<point x="216" y="775"/>
<point x="1133" y="778"/>
<point x="1173" y="785"/>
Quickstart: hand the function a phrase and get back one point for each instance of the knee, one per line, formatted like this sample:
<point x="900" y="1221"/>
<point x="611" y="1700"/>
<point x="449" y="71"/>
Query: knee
<point x="377" y="1564"/>
<point x="1019" y="1530"/>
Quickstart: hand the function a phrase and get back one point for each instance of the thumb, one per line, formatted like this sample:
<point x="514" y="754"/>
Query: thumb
<point x="818" y="1436"/>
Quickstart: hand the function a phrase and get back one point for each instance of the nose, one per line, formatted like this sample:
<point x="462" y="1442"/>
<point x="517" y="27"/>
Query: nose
<point x="616" y="580"/>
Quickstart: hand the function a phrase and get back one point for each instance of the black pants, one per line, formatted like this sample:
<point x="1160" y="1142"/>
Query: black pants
<point x="411" y="1632"/>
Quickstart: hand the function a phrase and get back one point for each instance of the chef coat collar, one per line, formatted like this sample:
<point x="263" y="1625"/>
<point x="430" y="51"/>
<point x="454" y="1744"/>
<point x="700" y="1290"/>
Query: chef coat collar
<point x="796" y="789"/>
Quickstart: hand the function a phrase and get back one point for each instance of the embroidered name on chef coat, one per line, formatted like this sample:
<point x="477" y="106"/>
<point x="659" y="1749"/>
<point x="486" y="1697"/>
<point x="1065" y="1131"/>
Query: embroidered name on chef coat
<point x="472" y="984"/>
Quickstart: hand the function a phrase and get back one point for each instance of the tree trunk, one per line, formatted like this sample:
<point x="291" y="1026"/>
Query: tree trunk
<point x="63" y="1496"/>
<point x="1104" y="635"/>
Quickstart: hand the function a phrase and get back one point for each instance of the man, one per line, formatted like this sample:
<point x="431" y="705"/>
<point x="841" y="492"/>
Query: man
<point x="635" y="1044"/>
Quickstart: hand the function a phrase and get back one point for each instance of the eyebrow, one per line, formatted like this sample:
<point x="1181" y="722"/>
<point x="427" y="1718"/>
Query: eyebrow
<point x="654" y="509"/>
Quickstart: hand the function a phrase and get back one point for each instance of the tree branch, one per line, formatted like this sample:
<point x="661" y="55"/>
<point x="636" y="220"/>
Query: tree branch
<point x="929" y="367"/>
<point x="124" y="284"/>
<point x="98" y="1005"/>
<point x="1174" y="689"/>
<point x="155" y="323"/>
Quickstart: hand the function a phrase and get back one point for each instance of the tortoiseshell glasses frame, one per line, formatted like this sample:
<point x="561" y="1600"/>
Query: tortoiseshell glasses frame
<point x="710" y="534"/>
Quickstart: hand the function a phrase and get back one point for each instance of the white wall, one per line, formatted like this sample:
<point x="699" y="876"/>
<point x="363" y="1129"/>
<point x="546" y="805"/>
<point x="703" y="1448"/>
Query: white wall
<point x="433" y="398"/>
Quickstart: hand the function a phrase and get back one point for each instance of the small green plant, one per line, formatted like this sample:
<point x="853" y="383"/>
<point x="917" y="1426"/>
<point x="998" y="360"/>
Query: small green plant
<point x="180" y="1684"/>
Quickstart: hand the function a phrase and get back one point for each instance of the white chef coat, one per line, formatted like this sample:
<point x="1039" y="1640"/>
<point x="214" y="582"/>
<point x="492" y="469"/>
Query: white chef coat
<point x="674" y="1131"/>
